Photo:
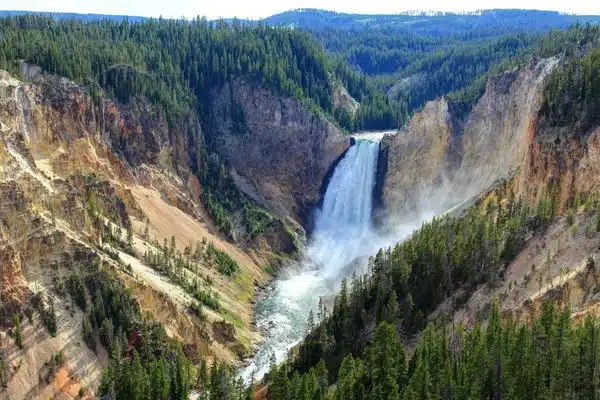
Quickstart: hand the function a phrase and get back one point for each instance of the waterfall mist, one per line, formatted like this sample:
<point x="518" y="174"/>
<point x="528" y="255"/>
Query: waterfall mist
<point x="342" y="240"/>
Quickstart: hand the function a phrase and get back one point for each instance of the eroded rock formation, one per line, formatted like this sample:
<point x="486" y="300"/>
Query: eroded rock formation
<point x="437" y="160"/>
<point x="279" y="151"/>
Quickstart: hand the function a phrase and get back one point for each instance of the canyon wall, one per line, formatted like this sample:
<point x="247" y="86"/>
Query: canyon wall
<point x="279" y="151"/>
<point x="77" y="169"/>
<point x="438" y="160"/>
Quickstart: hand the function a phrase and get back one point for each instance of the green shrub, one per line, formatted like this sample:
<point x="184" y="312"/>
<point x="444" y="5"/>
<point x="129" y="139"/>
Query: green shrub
<point x="225" y="264"/>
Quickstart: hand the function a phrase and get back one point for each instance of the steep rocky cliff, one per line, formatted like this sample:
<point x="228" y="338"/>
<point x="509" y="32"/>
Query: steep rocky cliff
<point x="437" y="160"/>
<point x="78" y="171"/>
<point x="278" y="150"/>
<point x="564" y="160"/>
<point x="419" y="158"/>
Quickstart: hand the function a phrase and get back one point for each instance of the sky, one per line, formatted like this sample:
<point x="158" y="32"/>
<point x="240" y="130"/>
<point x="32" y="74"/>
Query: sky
<point x="257" y="9"/>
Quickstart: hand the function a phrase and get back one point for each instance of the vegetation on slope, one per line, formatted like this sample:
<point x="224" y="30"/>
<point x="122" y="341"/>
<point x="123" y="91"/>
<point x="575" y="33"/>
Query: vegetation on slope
<point x="358" y="344"/>
<point x="572" y="96"/>
<point x="419" y="58"/>
<point x="574" y="41"/>
<point x="405" y="283"/>
<point x="552" y="358"/>
<point x="478" y="24"/>
<point x="173" y="63"/>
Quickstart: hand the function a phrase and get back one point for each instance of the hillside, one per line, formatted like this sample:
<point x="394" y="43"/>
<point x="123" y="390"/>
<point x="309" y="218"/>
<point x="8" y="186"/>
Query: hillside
<point x="415" y="58"/>
<point x="493" y="22"/>
<point x="71" y="200"/>
<point x="92" y="183"/>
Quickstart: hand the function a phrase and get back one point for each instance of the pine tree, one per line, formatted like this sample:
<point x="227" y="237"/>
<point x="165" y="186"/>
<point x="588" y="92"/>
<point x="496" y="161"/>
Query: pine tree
<point x="172" y="247"/>
<point x="181" y="377"/>
<point x="18" y="334"/>
<point x="346" y="380"/>
<point x="392" y="309"/>
<point x="137" y="379"/>
<point x="387" y="363"/>
<point x="159" y="381"/>
<point x="106" y="333"/>
<point x="322" y="381"/>
<point x="88" y="334"/>
<point x="3" y="372"/>
<point x="129" y="239"/>
<point x="147" y="229"/>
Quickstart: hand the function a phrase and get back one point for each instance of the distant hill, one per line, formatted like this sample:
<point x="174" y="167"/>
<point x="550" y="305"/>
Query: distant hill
<point x="434" y="23"/>
<point x="83" y="17"/>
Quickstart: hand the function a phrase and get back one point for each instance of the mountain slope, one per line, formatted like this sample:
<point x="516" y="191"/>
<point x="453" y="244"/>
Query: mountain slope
<point x="88" y="184"/>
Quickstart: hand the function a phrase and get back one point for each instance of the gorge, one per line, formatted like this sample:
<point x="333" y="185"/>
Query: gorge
<point x="213" y="197"/>
<point x="342" y="234"/>
<point x="342" y="240"/>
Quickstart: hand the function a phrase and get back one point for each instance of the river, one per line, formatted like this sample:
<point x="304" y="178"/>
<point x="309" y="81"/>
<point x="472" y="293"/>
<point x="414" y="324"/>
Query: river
<point x="343" y="236"/>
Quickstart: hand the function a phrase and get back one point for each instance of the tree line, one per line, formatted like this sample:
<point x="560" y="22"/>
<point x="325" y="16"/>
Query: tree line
<point x="406" y="282"/>
<point x="572" y="96"/>
<point x="174" y="63"/>
<point x="553" y="358"/>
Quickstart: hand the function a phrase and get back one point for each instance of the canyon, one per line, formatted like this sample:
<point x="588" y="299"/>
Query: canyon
<point x="73" y="167"/>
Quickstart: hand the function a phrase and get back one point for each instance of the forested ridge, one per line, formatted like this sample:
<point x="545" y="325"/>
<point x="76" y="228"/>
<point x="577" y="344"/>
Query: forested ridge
<point x="416" y="58"/>
<point x="176" y="64"/>
<point x="553" y="358"/>
<point x="474" y="24"/>
<point x="389" y="69"/>
<point x="406" y="282"/>
<point x="572" y="97"/>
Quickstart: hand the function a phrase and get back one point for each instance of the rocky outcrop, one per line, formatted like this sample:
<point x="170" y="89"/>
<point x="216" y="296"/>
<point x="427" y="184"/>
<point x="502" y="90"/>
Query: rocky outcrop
<point x="497" y="133"/>
<point x="14" y="286"/>
<point x="418" y="157"/>
<point x="136" y="133"/>
<point x="561" y="160"/>
<point x="437" y="160"/>
<point x="342" y="101"/>
<point x="279" y="151"/>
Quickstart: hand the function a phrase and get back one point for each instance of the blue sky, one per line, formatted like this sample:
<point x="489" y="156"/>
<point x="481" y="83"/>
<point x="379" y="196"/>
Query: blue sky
<point x="258" y="9"/>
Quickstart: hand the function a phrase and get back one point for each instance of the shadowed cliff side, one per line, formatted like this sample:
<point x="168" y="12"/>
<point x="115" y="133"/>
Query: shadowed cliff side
<point x="278" y="150"/>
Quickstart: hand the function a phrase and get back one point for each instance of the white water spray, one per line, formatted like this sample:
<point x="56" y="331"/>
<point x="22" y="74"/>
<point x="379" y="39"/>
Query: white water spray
<point x="343" y="226"/>
<point x="342" y="235"/>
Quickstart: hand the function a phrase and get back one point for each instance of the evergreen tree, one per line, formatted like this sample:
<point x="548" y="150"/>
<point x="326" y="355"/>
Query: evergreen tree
<point x="3" y="372"/>
<point x="17" y="332"/>
<point x="159" y="381"/>
<point x="387" y="364"/>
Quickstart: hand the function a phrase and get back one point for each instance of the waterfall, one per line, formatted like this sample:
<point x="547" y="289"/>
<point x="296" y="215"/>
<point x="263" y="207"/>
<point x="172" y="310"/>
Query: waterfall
<point x="342" y="234"/>
<point x="342" y="227"/>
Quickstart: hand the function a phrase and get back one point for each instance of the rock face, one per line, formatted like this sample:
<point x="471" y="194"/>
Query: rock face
<point x="496" y="134"/>
<point x="418" y="157"/>
<point x="136" y="132"/>
<point x="279" y="151"/>
<point x="89" y="181"/>
<point x="437" y="161"/>
<point x="561" y="159"/>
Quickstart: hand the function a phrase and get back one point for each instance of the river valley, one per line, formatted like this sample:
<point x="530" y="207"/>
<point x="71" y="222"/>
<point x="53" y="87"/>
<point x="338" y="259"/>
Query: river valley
<point x="341" y="243"/>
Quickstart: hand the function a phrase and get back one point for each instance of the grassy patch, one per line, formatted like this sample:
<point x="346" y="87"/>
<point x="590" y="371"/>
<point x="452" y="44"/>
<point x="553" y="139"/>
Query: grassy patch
<point x="236" y="321"/>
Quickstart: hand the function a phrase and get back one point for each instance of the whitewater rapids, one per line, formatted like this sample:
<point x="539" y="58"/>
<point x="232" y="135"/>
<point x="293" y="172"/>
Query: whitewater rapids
<point x="342" y="235"/>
